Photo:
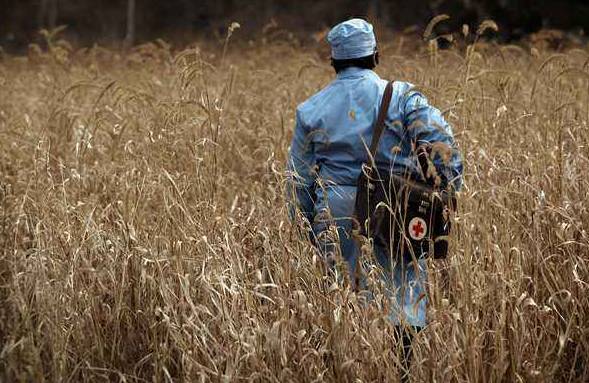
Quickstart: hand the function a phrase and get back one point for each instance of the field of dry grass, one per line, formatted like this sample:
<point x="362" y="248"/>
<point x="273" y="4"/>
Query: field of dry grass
<point x="144" y="234"/>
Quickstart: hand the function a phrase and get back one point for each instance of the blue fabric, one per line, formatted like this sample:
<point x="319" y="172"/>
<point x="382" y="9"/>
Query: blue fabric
<point x="352" y="39"/>
<point x="333" y="129"/>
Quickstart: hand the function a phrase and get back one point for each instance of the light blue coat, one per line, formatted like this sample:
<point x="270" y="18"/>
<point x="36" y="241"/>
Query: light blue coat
<point x="333" y="129"/>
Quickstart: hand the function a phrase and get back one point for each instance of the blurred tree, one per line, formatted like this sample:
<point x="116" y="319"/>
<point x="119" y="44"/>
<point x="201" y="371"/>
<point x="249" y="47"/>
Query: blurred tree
<point x="130" y="37"/>
<point x="53" y="14"/>
<point x="47" y="15"/>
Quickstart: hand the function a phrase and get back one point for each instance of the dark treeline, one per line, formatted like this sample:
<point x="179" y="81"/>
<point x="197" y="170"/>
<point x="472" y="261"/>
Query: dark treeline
<point x="131" y="21"/>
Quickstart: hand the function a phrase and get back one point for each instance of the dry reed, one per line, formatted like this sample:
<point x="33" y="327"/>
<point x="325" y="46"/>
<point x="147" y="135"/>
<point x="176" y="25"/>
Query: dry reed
<point x="144" y="236"/>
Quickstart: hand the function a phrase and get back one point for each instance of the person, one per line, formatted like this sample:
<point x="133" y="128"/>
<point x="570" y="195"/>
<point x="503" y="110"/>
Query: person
<point x="332" y="131"/>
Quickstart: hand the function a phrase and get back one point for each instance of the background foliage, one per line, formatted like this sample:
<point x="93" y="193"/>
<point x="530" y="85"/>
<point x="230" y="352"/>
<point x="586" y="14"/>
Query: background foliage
<point x="104" y="21"/>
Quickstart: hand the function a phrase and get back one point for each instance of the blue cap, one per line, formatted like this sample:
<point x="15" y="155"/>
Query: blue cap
<point x="352" y="39"/>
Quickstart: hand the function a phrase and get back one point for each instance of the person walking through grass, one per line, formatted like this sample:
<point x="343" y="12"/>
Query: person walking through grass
<point x="328" y="150"/>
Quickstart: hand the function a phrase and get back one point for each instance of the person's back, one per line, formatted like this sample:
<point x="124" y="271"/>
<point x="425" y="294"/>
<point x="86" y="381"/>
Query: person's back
<point x="338" y="121"/>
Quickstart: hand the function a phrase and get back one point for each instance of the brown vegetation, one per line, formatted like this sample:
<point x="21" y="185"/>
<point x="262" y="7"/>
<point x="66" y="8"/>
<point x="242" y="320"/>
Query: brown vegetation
<point x="144" y="237"/>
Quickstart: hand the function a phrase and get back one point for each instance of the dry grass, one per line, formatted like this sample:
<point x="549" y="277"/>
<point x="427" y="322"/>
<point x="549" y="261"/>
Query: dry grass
<point x="144" y="236"/>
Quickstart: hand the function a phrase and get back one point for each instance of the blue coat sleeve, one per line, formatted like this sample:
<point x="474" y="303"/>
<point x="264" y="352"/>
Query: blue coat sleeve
<point x="426" y="126"/>
<point x="300" y="172"/>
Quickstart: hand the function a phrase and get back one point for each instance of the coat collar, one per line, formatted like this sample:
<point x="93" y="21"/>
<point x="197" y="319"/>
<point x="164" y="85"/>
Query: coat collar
<point x="355" y="72"/>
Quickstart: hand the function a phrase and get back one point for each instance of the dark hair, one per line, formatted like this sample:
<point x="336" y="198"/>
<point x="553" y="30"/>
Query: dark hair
<point x="366" y="62"/>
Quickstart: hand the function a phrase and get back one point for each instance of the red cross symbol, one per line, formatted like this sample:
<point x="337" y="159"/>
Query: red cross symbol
<point x="417" y="228"/>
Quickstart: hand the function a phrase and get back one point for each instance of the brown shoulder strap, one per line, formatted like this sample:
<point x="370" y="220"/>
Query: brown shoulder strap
<point x="380" y="121"/>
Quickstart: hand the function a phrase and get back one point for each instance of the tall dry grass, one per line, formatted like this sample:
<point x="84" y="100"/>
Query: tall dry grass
<point x="144" y="235"/>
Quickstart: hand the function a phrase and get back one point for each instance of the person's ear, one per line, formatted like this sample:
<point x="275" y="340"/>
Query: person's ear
<point x="376" y="58"/>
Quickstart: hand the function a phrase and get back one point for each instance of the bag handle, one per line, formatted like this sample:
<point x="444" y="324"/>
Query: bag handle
<point x="380" y="121"/>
